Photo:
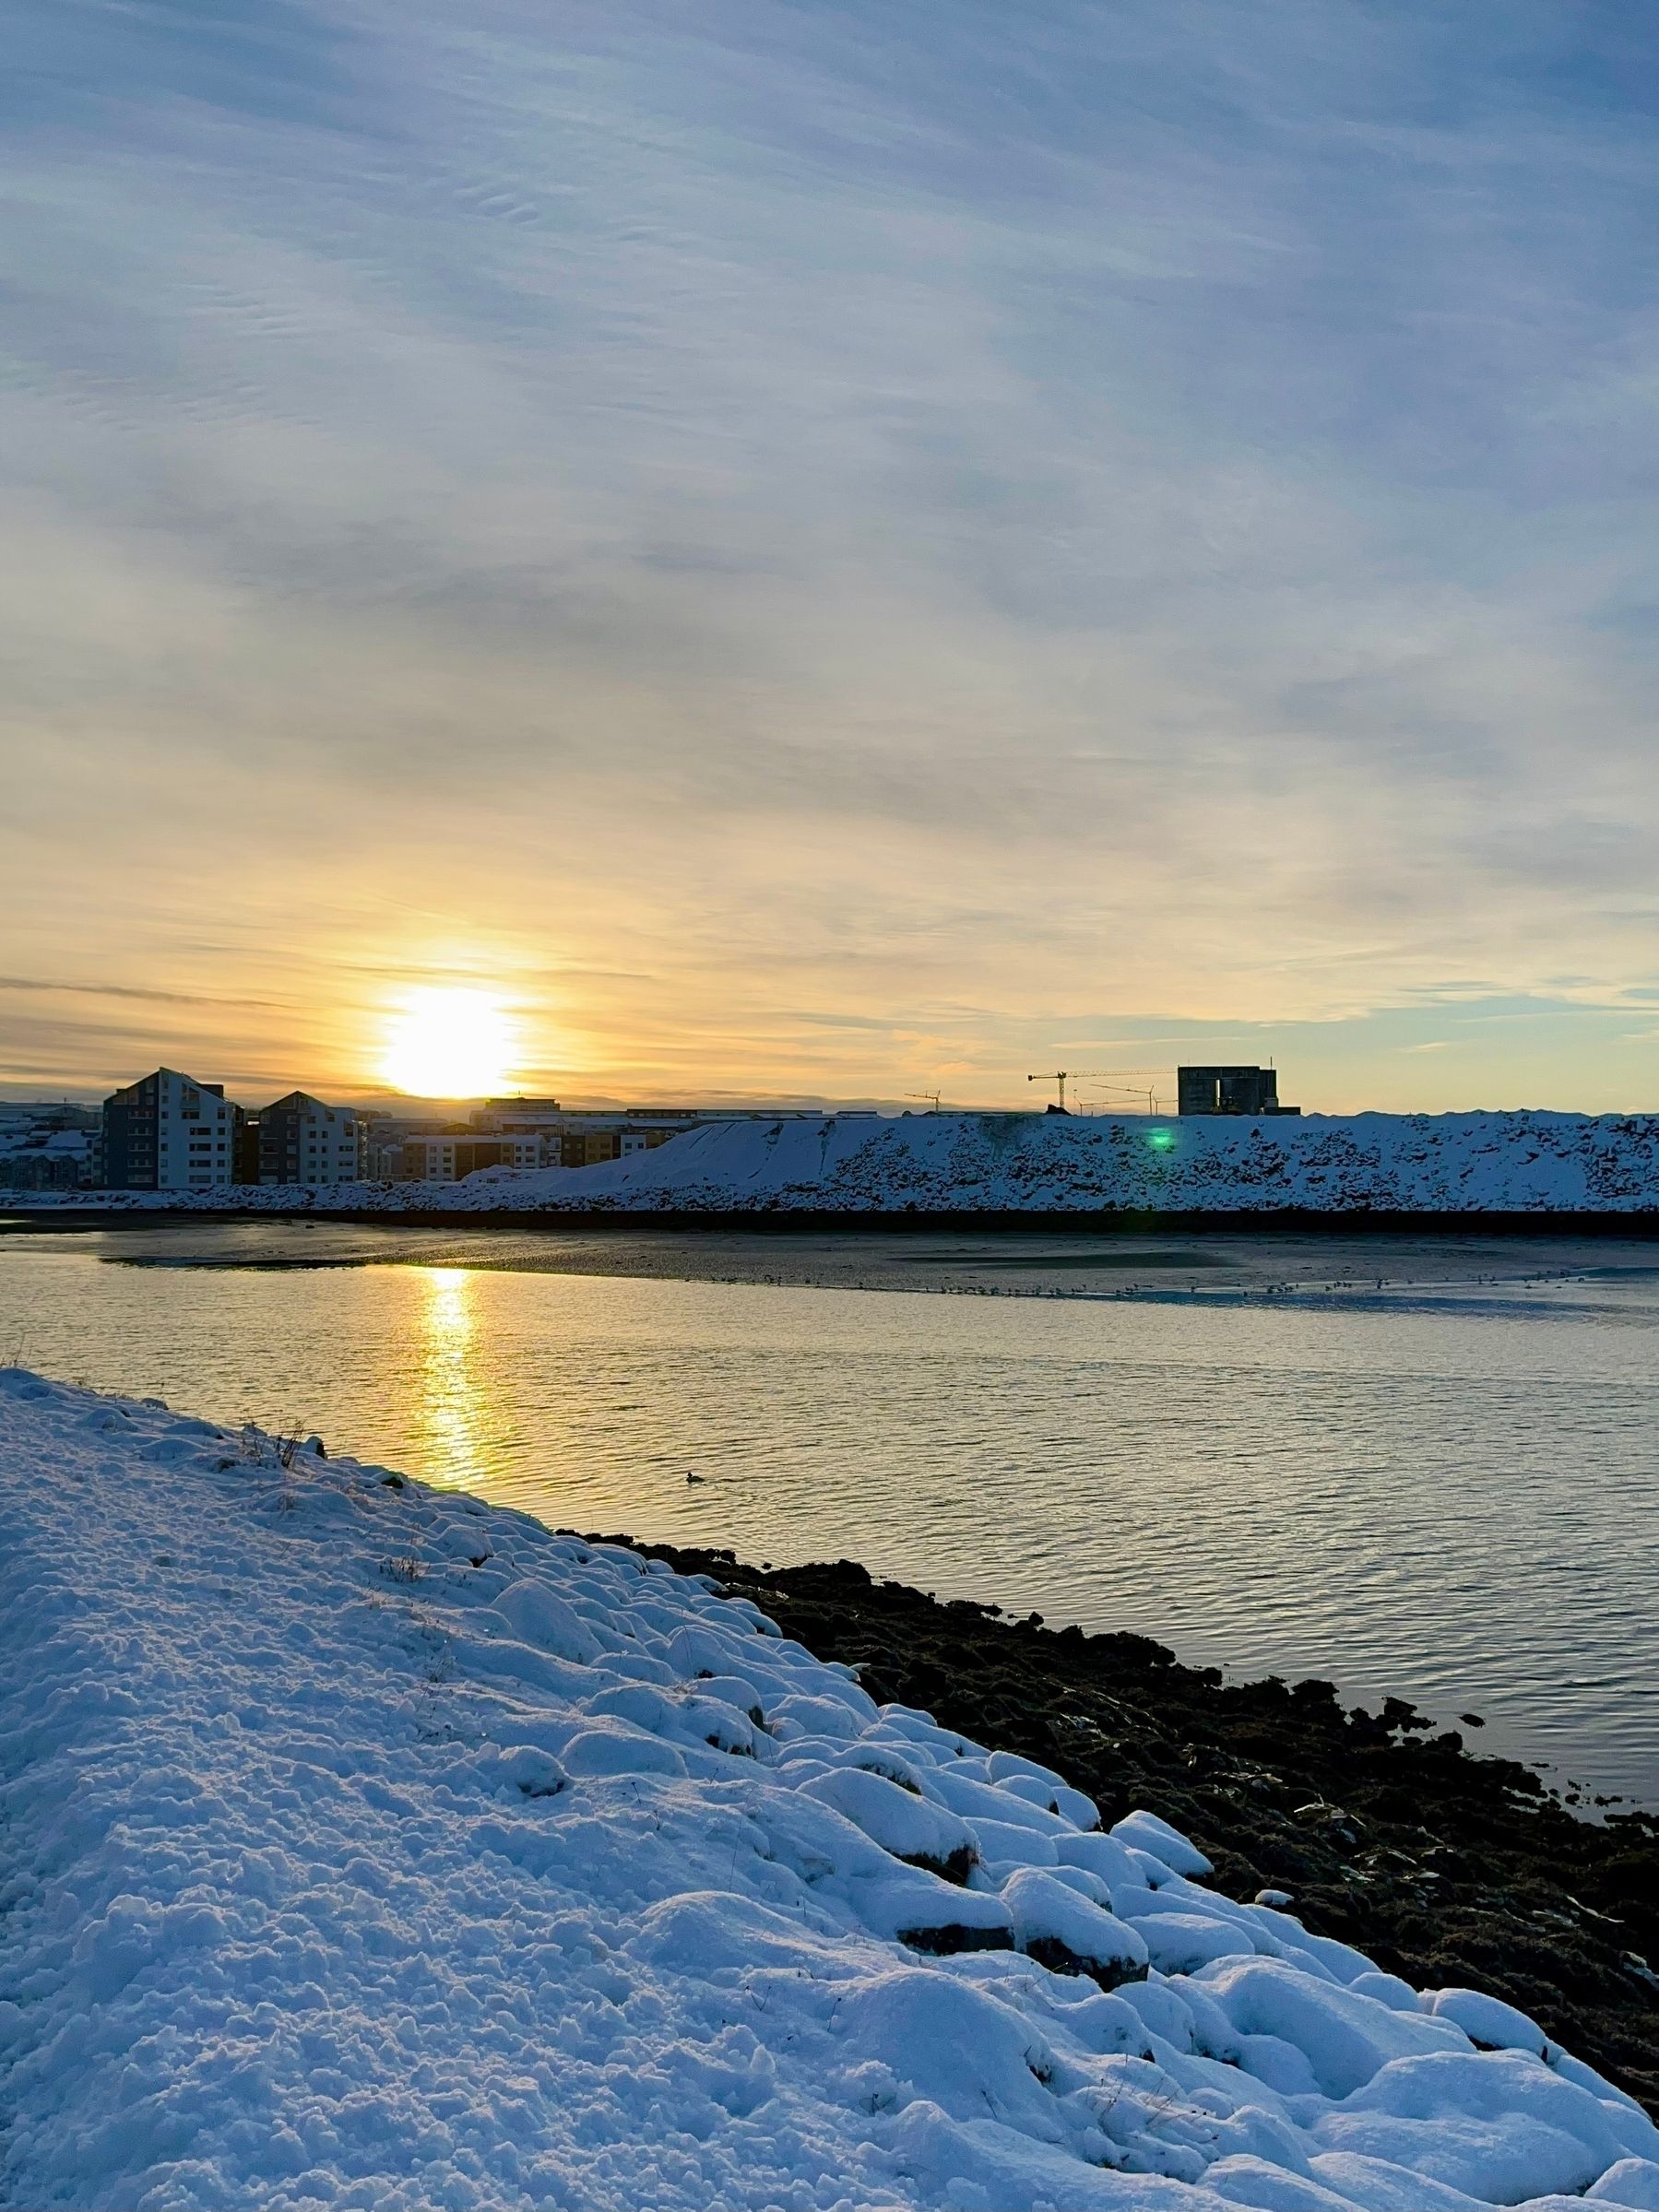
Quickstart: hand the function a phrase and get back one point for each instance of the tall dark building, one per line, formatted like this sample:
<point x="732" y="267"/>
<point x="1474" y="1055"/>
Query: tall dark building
<point x="1229" y="1091"/>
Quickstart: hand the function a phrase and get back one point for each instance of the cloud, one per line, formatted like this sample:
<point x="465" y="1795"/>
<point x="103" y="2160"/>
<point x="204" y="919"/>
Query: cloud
<point x="849" y="510"/>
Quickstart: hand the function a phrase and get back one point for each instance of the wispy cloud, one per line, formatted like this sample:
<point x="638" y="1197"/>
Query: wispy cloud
<point x="839" y="508"/>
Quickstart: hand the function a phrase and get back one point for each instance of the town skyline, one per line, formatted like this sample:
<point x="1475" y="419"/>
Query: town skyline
<point x="1120" y="1089"/>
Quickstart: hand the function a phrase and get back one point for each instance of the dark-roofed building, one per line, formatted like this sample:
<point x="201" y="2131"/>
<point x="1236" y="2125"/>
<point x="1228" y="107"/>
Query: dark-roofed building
<point x="1229" y="1091"/>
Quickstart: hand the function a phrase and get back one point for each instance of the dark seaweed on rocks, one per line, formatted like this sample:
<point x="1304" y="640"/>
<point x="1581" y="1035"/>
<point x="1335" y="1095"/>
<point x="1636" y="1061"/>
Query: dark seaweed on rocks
<point x="1450" y="1869"/>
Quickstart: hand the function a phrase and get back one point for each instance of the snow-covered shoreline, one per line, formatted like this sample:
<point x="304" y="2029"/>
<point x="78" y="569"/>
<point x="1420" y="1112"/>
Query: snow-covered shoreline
<point x="854" y="1166"/>
<point x="368" y="1845"/>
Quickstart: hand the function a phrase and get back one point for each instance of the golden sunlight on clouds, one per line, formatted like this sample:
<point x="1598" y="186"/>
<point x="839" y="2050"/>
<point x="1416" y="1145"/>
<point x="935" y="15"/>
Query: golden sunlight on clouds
<point x="449" y="1042"/>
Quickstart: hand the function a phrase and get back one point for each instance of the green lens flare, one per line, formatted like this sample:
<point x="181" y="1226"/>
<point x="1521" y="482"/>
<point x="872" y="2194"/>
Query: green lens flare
<point x="1161" y="1139"/>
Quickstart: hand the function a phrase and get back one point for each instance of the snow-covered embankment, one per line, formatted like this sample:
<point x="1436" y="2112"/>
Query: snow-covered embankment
<point x="858" y="1165"/>
<point x="367" y="1845"/>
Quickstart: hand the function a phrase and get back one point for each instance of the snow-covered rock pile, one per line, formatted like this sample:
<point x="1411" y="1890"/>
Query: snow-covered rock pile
<point x="1051" y="1162"/>
<point x="369" y="1846"/>
<point x="861" y="1163"/>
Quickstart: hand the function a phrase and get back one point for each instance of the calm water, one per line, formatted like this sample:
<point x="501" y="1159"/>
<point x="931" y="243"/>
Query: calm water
<point x="1447" y="1490"/>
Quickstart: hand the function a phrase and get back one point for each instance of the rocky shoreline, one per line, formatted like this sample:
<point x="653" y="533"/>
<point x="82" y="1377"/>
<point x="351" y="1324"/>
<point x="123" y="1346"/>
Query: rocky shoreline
<point x="1447" y="1867"/>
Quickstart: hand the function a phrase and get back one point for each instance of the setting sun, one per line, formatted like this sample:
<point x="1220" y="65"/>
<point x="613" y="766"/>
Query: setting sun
<point x="449" y="1043"/>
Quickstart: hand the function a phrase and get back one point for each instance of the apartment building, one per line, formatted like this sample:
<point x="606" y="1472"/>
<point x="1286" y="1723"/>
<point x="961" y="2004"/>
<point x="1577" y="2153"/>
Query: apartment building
<point x="573" y="1141"/>
<point x="170" y="1133"/>
<point x="451" y="1154"/>
<point x="517" y="1117"/>
<point x="585" y="1144"/>
<point x="39" y="1159"/>
<point x="300" y="1139"/>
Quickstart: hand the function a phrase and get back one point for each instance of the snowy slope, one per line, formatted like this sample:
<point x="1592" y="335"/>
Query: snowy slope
<point x="1023" y="1163"/>
<point x="368" y="1846"/>
<point x="1043" y="1162"/>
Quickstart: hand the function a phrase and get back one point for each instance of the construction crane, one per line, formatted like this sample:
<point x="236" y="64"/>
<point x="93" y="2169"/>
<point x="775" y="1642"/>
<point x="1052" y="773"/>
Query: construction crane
<point x="1131" y="1083"/>
<point x="1128" y="1091"/>
<point x="925" y="1097"/>
<point x="1062" y="1076"/>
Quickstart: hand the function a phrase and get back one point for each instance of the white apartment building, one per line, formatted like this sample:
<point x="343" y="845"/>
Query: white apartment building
<point x="303" y="1141"/>
<point x="170" y="1133"/>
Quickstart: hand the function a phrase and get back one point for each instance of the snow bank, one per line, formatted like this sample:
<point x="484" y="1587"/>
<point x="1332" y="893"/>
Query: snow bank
<point x="857" y="1164"/>
<point x="368" y="1846"/>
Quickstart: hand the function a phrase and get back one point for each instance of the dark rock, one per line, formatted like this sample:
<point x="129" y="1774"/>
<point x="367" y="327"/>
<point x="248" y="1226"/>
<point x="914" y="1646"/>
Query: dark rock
<point x="956" y="1868"/>
<point x="945" y="1942"/>
<point x="1060" y="1958"/>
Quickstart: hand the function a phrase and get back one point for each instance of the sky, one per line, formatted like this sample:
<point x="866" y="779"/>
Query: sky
<point x="815" y="549"/>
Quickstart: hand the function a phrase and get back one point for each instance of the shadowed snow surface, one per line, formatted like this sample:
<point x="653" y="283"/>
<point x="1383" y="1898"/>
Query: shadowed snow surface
<point x="369" y="1846"/>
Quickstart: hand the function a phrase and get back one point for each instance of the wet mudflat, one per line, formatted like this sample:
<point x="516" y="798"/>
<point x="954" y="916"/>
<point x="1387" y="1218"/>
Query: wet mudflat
<point x="1076" y="1262"/>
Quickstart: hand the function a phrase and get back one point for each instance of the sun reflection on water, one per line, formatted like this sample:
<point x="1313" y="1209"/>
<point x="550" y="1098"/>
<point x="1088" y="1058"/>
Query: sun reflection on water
<point x="452" y="1409"/>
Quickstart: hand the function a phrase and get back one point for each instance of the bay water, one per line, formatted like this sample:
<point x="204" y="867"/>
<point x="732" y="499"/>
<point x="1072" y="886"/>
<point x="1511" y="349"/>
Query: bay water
<point x="1444" y="1484"/>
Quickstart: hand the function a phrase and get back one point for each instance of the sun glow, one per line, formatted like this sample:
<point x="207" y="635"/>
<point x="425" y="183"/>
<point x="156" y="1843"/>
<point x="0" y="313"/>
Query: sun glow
<point x="448" y="1042"/>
